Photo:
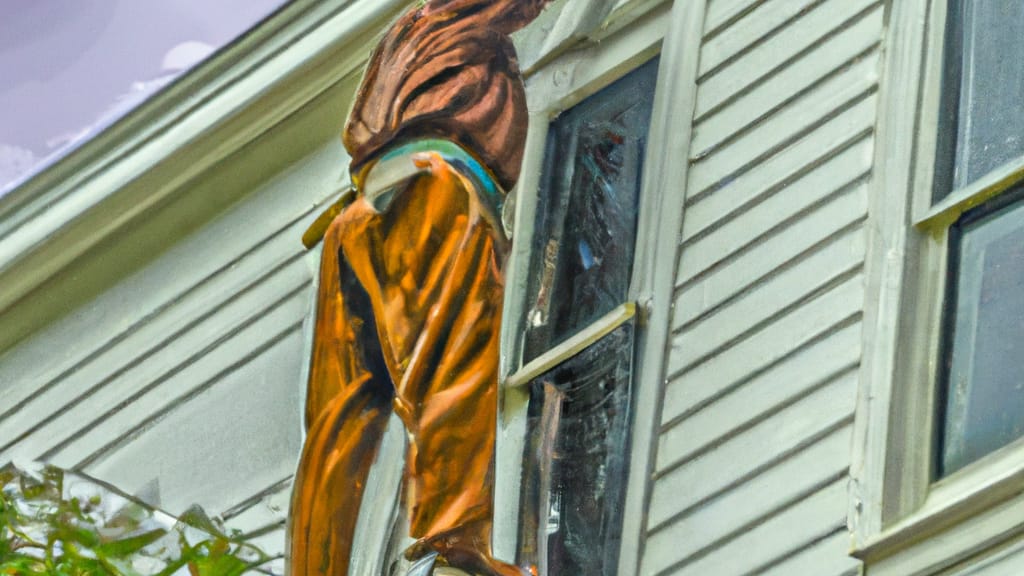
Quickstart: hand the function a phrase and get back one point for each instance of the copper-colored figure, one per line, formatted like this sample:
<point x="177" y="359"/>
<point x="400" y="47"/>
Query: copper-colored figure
<point x="410" y="296"/>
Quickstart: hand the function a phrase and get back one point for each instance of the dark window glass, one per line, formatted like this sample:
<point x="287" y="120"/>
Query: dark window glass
<point x="985" y="379"/>
<point x="983" y="107"/>
<point x="587" y="210"/>
<point x="576" y="459"/>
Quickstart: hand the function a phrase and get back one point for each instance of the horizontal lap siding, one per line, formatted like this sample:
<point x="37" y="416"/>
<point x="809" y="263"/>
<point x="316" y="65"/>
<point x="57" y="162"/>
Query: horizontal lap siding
<point x="182" y="383"/>
<point x="1002" y="562"/>
<point x="751" y="464"/>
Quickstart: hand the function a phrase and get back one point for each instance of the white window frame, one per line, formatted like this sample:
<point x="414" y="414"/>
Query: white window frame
<point x="634" y="32"/>
<point x="903" y="523"/>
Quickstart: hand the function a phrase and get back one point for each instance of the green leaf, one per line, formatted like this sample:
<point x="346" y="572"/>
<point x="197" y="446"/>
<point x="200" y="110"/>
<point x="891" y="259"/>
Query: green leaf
<point x="196" y="517"/>
<point x="222" y="565"/>
<point x="74" y="539"/>
<point x="21" y="566"/>
<point x="78" y="535"/>
<point x="129" y="546"/>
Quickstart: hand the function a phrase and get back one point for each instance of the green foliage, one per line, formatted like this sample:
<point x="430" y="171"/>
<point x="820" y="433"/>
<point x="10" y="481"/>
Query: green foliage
<point x="57" y="524"/>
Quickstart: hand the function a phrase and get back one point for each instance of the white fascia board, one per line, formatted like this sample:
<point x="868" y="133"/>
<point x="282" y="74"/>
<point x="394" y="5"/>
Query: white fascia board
<point x="274" y="71"/>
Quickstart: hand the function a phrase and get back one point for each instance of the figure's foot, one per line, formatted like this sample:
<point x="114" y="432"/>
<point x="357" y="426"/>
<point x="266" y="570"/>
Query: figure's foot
<point x="433" y="564"/>
<point x="424" y="566"/>
<point x="466" y="549"/>
<point x="428" y="567"/>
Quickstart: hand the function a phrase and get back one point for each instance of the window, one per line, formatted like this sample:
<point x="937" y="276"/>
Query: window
<point x="584" y="330"/>
<point x="983" y="113"/>
<point x="578" y="343"/>
<point x="941" y="413"/>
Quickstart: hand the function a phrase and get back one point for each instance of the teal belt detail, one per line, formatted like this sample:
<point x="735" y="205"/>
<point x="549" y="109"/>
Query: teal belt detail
<point x="461" y="160"/>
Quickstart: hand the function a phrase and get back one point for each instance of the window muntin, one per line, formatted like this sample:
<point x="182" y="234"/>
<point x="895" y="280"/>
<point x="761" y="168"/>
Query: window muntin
<point x="981" y="113"/>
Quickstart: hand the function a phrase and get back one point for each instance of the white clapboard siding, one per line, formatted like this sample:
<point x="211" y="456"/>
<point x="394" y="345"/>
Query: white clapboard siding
<point x="764" y="19"/>
<point x="1003" y="562"/>
<point x="721" y="13"/>
<point x="778" y="51"/>
<point x="765" y="394"/>
<point x="826" y="557"/>
<point x="789" y="287"/>
<point x="684" y="485"/>
<point x="781" y="128"/>
<point x="261" y="518"/>
<point x="182" y="383"/>
<point x="738" y="193"/>
<point x="260" y="511"/>
<point x="760" y="546"/>
<point x="752" y="460"/>
<point x="714" y="286"/>
<point x="273" y="543"/>
<point x="824" y="62"/>
<point x="694" y="385"/>
<point x="734" y="511"/>
<point x="206" y="312"/>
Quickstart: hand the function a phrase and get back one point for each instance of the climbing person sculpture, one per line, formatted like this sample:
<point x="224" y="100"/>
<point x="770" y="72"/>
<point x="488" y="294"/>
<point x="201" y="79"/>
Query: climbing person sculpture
<point x="411" y="287"/>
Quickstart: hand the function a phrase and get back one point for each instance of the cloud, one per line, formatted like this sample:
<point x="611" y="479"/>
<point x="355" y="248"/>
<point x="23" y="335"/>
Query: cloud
<point x="137" y="93"/>
<point x="186" y="55"/>
<point x="15" y="164"/>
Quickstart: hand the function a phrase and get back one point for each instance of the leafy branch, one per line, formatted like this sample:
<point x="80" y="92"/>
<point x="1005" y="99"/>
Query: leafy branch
<point x="54" y="523"/>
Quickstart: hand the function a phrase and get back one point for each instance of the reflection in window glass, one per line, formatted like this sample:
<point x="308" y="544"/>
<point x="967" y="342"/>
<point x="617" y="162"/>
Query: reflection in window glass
<point x="991" y="110"/>
<point x="70" y="68"/>
<point x="587" y="210"/>
<point x="575" y="461"/>
<point x="985" y="391"/>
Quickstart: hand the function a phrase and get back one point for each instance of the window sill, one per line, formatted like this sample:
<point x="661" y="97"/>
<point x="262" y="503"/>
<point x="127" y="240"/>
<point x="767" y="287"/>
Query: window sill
<point x="971" y="510"/>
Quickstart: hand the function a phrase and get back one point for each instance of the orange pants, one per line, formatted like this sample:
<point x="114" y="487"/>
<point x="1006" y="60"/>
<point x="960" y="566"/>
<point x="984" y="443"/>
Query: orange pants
<point x="408" y="318"/>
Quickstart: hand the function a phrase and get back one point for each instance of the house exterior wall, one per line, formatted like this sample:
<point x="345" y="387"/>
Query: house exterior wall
<point x="182" y="383"/>
<point x="751" y="468"/>
<point x="1000" y="563"/>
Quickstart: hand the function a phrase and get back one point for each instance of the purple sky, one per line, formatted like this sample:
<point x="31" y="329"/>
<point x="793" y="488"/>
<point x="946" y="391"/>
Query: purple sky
<point x="68" y="65"/>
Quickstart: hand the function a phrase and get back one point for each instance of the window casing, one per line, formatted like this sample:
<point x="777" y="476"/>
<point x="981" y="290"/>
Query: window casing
<point x="555" y="345"/>
<point x="579" y="322"/>
<point x="631" y="36"/>
<point x="937" y="189"/>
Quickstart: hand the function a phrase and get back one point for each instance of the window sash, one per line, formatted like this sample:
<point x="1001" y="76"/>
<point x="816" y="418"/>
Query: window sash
<point x="958" y="80"/>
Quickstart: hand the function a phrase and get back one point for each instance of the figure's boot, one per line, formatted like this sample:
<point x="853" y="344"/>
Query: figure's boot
<point x="424" y="566"/>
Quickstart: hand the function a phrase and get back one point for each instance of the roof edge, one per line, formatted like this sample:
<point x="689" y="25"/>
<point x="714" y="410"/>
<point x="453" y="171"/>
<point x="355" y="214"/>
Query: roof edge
<point x="277" y="68"/>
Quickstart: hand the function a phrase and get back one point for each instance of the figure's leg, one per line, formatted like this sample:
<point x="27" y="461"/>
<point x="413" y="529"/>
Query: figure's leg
<point x="347" y="408"/>
<point x="438" y="287"/>
<point x="339" y="450"/>
<point x="431" y="265"/>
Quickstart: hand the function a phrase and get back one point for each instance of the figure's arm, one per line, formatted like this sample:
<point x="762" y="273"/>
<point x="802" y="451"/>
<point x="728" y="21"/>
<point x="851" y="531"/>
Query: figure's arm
<point x="348" y="404"/>
<point x="330" y="337"/>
